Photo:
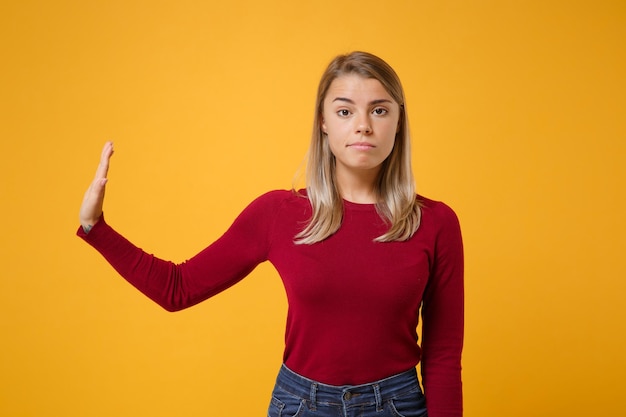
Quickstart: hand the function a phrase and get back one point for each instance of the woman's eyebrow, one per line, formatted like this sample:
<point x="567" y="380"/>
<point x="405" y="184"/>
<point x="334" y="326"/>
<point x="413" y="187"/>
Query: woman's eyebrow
<point x="378" y="101"/>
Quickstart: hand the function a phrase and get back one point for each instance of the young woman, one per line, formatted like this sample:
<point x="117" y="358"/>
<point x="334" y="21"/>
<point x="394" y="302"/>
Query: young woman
<point x="359" y="254"/>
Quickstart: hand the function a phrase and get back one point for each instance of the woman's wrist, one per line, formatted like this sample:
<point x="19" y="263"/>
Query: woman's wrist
<point x="87" y="225"/>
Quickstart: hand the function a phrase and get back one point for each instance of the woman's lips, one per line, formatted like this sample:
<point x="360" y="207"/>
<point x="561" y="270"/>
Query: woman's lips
<point x="361" y="145"/>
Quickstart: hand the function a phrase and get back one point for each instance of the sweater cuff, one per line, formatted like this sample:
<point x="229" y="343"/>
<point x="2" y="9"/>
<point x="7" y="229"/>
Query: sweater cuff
<point x="99" y="225"/>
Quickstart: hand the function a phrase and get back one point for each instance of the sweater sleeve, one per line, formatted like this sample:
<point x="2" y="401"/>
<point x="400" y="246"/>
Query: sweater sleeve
<point x="219" y="266"/>
<point x="443" y="320"/>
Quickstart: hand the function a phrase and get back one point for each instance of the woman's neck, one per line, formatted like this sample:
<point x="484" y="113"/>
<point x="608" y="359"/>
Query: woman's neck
<point x="358" y="187"/>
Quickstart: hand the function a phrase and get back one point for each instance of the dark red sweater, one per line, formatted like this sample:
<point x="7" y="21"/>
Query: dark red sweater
<point x="353" y="303"/>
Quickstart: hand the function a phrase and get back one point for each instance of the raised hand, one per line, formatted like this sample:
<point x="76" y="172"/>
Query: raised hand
<point x="91" y="209"/>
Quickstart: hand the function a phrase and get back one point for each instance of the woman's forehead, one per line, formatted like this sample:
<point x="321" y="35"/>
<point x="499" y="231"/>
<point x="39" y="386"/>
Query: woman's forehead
<point x="354" y="87"/>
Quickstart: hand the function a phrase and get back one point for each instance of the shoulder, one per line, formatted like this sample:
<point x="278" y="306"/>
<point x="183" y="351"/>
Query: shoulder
<point x="281" y="196"/>
<point x="441" y="223"/>
<point x="437" y="213"/>
<point x="275" y="200"/>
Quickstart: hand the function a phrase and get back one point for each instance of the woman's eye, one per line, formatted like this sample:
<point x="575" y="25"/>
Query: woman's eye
<point x="343" y="112"/>
<point x="379" y="111"/>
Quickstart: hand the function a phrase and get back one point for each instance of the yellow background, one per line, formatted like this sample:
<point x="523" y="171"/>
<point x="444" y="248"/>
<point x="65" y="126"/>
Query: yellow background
<point x="517" y="111"/>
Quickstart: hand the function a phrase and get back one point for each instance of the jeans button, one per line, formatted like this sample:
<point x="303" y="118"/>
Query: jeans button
<point x="347" y="396"/>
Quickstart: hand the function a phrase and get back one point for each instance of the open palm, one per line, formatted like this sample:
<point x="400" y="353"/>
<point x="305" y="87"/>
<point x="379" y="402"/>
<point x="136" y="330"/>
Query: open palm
<point x="91" y="208"/>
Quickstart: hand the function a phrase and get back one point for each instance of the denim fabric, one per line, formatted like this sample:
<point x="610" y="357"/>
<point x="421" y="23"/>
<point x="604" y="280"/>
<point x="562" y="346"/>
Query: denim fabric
<point x="397" y="396"/>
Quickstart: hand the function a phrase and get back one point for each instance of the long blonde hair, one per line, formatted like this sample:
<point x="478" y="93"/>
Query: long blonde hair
<point x="395" y="187"/>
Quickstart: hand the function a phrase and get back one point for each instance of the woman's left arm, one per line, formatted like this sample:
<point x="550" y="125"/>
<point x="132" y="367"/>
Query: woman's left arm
<point x="443" y="319"/>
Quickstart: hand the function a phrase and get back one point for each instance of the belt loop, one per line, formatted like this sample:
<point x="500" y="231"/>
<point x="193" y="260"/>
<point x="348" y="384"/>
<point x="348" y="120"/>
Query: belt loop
<point x="379" y="400"/>
<point x="313" y="397"/>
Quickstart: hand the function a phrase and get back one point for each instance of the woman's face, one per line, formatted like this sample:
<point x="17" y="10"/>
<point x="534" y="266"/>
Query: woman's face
<point x="361" y="120"/>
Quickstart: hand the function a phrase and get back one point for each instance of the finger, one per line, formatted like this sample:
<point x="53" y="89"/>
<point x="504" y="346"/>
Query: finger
<point x="103" y="166"/>
<point x="97" y="186"/>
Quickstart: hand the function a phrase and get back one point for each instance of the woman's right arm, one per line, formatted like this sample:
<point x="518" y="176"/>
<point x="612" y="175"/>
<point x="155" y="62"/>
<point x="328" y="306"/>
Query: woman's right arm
<point x="177" y="286"/>
<point x="91" y="209"/>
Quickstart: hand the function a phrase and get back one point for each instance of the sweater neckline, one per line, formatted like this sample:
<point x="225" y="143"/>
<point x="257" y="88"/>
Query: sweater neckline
<point x="348" y="205"/>
<point x="352" y="206"/>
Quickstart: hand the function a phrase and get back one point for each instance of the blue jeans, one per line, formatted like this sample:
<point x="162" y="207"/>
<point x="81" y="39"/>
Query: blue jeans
<point x="397" y="396"/>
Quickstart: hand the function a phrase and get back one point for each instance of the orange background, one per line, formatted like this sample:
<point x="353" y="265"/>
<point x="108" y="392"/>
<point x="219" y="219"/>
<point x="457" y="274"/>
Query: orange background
<point x="517" y="113"/>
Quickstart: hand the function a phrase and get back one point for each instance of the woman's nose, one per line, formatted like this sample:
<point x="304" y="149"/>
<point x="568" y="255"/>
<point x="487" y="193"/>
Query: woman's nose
<point x="364" y="126"/>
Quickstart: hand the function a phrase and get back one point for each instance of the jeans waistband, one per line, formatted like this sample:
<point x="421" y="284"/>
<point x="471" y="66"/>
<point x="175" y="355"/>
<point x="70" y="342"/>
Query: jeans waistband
<point x="377" y="392"/>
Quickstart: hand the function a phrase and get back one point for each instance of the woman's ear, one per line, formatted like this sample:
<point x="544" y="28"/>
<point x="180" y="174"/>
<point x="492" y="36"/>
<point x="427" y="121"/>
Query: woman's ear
<point x="323" y="126"/>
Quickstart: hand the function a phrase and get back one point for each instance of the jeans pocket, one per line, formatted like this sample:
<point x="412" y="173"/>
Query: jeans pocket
<point x="283" y="404"/>
<point x="411" y="404"/>
<point x="276" y="407"/>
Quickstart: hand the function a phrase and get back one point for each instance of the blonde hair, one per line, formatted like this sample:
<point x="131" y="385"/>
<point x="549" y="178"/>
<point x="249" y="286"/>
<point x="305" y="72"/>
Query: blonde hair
<point x="395" y="187"/>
